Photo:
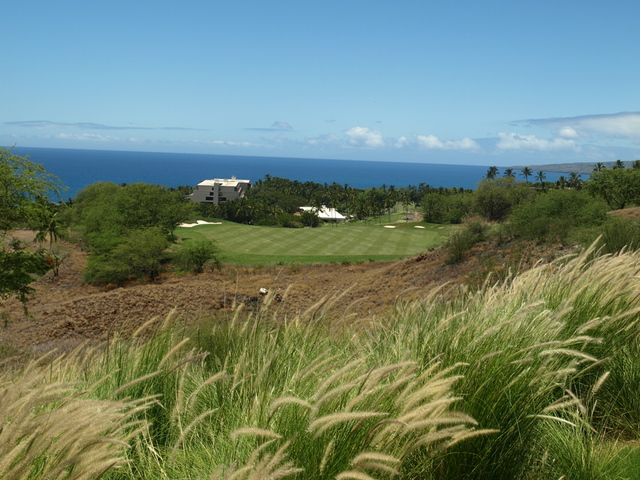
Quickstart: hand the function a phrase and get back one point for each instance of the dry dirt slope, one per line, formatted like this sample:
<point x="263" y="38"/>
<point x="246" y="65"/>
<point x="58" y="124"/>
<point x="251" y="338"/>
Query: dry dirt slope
<point x="65" y="312"/>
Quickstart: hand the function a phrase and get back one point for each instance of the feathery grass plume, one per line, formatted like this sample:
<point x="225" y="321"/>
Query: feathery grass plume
<point x="357" y="430"/>
<point x="279" y="402"/>
<point x="376" y="461"/>
<point x="324" y="423"/>
<point x="50" y="432"/>
<point x="353" y="475"/>
<point x="262" y="466"/>
<point x="255" y="432"/>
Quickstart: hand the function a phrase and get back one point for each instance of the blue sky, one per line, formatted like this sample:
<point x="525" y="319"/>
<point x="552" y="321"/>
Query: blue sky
<point x="465" y="82"/>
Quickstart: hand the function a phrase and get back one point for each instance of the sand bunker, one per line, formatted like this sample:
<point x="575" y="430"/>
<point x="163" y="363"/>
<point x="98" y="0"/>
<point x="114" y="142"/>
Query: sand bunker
<point x="199" y="222"/>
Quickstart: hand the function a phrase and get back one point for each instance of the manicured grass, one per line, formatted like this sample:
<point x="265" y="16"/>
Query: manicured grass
<point x="246" y="244"/>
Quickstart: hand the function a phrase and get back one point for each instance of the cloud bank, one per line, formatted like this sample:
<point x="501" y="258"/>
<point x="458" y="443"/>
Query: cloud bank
<point x="431" y="142"/>
<point x="89" y="126"/>
<point x="515" y="141"/>
<point x="275" y="127"/>
<point x="614" y="125"/>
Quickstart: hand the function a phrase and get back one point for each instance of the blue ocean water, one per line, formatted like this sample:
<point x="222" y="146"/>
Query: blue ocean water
<point x="79" y="168"/>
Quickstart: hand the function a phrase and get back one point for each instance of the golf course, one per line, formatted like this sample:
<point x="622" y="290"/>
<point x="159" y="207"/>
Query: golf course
<point x="248" y="244"/>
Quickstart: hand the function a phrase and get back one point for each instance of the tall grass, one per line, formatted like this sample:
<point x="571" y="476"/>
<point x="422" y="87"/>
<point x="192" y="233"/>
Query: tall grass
<point x="534" y="377"/>
<point x="51" y="429"/>
<point x="534" y="347"/>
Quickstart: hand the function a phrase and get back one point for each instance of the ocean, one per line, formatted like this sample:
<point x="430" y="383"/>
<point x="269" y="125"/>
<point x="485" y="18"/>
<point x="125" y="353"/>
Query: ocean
<point x="79" y="168"/>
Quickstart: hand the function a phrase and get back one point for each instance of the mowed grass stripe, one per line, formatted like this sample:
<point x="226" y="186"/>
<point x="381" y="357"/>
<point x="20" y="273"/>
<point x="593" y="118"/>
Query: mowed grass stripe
<point x="241" y="243"/>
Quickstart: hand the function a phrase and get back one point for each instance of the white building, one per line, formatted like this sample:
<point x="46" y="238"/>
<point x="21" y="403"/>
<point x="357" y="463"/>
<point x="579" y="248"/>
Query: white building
<point x="220" y="190"/>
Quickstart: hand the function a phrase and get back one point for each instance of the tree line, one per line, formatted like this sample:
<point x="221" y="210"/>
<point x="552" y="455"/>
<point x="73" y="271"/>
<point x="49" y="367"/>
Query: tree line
<point x="277" y="201"/>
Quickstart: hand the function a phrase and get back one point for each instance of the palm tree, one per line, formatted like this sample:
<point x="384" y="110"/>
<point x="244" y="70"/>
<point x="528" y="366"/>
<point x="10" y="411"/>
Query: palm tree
<point x="636" y="165"/>
<point x="540" y="176"/>
<point x="526" y="173"/>
<point x="51" y="226"/>
<point x="561" y="182"/>
<point x="491" y="173"/>
<point x="508" y="173"/>
<point x="618" y="164"/>
<point x="598" y="167"/>
<point x="575" y="181"/>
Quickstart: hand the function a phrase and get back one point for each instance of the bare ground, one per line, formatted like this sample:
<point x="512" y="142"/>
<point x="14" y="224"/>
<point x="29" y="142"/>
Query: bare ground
<point x="64" y="312"/>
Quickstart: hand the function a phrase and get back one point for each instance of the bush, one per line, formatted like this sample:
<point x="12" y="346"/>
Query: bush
<point x="293" y="224"/>
<point x="310" y="219"/>
<point x="553" y="215"/>
<point x="141" y="254"/>
<point x="494" y="199"/>
<point x="461" y="241"/>
<point x="619" y="233"/>
<point x="195" y="254"/>
<point x="445" y="208"/>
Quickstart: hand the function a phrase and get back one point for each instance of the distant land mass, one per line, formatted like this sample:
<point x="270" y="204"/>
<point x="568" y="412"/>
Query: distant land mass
<point x="580" y="167"/>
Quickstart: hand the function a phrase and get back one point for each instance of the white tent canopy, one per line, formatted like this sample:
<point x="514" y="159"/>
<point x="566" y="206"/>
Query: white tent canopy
<point x="326" y="213"/>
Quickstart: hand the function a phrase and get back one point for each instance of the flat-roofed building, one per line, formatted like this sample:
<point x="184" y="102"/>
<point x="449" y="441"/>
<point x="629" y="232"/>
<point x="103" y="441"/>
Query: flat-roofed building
<point x="220" y="190"/>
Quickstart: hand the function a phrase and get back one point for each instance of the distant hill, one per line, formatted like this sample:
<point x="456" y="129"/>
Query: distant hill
<point x="582" y="167"/>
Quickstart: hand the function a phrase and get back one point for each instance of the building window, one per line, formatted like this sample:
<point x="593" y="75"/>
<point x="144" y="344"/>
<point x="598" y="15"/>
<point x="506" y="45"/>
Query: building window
<point x="222" y="199"/>
<point x="209" y="199"/>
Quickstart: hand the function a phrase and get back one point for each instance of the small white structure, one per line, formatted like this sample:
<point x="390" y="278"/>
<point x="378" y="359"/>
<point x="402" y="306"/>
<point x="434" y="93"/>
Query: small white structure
<point x="326" y="213"/>
<point x="220" y="190"/>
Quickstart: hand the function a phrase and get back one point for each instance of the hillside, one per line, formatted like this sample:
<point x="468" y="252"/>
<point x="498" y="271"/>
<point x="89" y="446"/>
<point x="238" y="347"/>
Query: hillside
<point x="65" y="312"/>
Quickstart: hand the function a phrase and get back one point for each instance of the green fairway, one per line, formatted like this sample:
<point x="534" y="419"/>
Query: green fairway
<point x="247" y="244"/>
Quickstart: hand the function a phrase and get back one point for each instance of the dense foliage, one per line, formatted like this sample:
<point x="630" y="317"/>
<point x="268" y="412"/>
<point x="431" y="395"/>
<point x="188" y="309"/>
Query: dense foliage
<point x="127" y="228"/>
<point x="554" y="214"/>
<point x="24" y="187"/>
<point x="277" y="201"/>
<point x="619" y="187"/>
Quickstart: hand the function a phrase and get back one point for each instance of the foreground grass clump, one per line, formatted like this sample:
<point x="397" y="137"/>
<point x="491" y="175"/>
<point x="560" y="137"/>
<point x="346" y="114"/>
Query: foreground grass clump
<point x="532" y="378"/>
<point x="537" y="347"/>
<point x="50" y="429"/>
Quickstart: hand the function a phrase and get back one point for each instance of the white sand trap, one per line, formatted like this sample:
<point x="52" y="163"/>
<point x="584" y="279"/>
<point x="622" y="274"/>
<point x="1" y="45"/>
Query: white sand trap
<point x="389" y="226"/>
<point x="418" y="226"/>
<point x="199" y="222"/>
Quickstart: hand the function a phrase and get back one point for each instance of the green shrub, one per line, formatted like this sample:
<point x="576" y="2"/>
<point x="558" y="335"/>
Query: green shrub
<point x="310" y="219"/>
<point x="141" y="254"/>
<point x="494" y="199"/>
<point x="619" y="233"/>
<point x="461" y="241"/>
<point x="195" y="254"/>
<point x="555" y="214"/>
<point x="445" y="208"/>
<point x="458" y="244"/>
<point x="293" y="224"/>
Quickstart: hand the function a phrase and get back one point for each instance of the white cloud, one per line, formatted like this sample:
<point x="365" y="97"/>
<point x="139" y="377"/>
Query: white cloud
<point x="365" y="137"/>
<point x="88" y="137"/>
<point x="619" y="125"/>
<point x="568" y="132"/>
<point x="515" y="141"/>
<point x="431" y="142"/>
<point x="323" y="140"/>
<point x="614" y="125"/>
<point x="402" y="142"/>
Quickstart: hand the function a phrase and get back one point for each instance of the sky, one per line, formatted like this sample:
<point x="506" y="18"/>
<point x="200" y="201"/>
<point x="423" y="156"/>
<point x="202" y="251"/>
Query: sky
<point x="473" y="82"/>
